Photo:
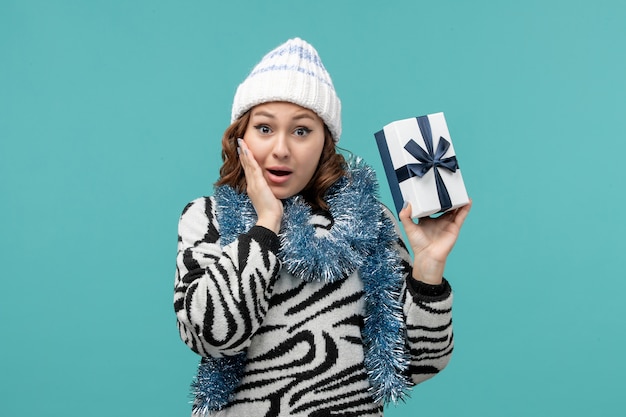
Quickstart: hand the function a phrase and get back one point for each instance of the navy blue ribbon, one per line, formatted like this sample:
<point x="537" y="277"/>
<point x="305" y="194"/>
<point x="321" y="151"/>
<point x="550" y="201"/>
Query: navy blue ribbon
<point x="429" y="159"/>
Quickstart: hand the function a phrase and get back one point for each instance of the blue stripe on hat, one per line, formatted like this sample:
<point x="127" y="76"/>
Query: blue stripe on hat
<point x="297" y="68"/>
<point x="299" y="50"/>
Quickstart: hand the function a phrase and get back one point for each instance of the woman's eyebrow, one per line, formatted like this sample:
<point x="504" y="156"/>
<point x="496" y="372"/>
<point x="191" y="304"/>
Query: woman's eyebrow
<point x="263" y="113"/>
<point x="303" y="116"/>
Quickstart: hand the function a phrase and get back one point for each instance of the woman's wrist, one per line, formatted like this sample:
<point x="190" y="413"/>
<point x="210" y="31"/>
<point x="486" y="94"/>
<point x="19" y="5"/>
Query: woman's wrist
<point x="429" y="280"/>
<point x="269" y="223"/>
<point x="430" y="274"/>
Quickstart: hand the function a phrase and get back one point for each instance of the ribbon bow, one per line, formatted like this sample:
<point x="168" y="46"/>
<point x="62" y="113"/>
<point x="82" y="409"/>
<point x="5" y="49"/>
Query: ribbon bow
<point x="429" y="159"/>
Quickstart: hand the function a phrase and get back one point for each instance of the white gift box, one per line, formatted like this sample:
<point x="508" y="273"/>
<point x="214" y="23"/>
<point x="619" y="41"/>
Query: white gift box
<point x="421" y="166"/>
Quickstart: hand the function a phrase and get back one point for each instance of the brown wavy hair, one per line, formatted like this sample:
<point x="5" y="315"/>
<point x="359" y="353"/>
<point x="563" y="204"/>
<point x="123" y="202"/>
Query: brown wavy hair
<point x="330" y="167"/>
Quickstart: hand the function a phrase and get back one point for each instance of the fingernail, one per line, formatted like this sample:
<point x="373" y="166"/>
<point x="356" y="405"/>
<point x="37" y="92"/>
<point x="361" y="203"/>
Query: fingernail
<point x="239" y="140"/>
<point x="405" y="205"/>
<point x="238" y="150"/>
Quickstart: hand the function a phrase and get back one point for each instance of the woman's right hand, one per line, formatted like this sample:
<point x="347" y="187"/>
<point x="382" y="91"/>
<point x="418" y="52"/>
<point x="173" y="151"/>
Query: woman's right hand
<point x="269" y="209"/>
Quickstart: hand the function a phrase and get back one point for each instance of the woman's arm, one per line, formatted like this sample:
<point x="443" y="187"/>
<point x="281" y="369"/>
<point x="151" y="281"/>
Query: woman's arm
<point x="428" y="317"/>
<point x="221" y="294"/>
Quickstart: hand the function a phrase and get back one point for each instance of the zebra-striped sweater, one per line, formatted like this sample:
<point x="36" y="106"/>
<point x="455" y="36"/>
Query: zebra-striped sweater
<point x="303" y="339"/>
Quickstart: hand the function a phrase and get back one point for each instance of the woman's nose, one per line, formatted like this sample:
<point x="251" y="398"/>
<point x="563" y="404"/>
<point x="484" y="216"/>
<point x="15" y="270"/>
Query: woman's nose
<point x="281" y="146"/>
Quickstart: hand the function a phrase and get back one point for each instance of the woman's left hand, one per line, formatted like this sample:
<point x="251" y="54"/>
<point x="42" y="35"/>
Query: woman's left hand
<point x="432" y="240"/>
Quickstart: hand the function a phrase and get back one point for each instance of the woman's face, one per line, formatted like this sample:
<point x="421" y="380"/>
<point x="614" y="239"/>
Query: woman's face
<point x="287" y="141"/>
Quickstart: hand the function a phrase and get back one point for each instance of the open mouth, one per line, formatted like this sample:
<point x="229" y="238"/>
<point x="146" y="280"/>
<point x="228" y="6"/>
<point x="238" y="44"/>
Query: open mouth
<point x="278" y="172"/>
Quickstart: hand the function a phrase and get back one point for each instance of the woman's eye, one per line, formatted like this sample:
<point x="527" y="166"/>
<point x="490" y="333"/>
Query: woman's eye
<point x="263" y="129"/>
<point x="302" y="131"/>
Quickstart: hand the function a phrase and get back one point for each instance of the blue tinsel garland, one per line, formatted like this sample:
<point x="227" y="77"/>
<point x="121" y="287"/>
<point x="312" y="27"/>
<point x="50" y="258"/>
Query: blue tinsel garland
<point x="362" y="238"/>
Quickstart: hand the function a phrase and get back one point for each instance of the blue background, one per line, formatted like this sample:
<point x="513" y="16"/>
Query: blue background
<point x="111" y="114"/>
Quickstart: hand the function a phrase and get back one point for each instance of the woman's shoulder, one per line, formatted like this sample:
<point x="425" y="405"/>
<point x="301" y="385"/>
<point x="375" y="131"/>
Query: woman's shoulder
<point x="200" y="206"/>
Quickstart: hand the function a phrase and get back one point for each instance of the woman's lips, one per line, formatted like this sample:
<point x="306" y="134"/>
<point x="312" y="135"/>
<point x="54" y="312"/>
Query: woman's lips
<point x="278" y="175"/>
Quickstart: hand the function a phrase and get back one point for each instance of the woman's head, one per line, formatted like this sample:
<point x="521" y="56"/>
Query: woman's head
<point x="289" y="115"/>
<point x="292" y="72"/>
<point x="293" y="147"/>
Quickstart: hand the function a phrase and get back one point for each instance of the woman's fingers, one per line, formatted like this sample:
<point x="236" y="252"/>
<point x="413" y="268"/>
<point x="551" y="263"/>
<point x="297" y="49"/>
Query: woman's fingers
<point x="405" y="216"/>
<point x="269" y="209"/>
<point x="462" y="213"/>
<point x="242" y="150"/>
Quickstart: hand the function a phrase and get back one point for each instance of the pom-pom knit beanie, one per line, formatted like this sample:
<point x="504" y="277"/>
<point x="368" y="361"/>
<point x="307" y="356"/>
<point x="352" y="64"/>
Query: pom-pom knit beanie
<point x="292" y="72"/>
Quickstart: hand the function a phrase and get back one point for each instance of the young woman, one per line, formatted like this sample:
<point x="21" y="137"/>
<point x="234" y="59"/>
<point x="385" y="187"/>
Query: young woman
<point x="292" y="282"/>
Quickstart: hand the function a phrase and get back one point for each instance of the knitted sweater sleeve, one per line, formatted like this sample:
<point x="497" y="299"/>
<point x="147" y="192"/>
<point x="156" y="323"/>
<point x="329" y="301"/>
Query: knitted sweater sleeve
<point x="221" y="294"/>
<point x="428" y="317"/>
<point x="429" y="328"/>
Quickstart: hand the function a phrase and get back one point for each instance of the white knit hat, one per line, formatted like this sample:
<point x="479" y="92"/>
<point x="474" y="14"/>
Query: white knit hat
<point x="292" y="72"/>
